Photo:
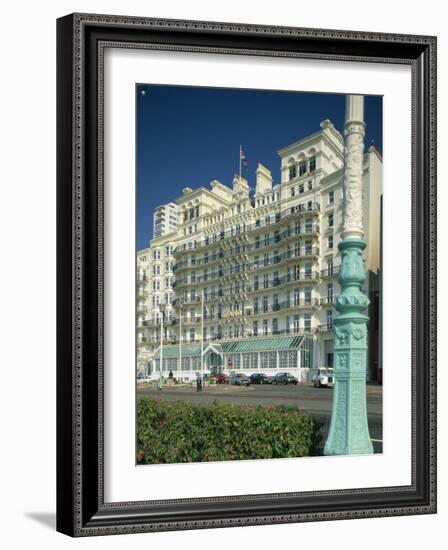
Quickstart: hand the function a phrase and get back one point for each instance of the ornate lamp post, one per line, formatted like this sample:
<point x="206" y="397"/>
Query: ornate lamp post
<point x="349" y="430"/>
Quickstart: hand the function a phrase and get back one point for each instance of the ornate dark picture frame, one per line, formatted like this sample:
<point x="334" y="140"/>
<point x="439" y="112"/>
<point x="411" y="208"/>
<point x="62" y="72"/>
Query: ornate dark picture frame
<point x="81" y="509"/>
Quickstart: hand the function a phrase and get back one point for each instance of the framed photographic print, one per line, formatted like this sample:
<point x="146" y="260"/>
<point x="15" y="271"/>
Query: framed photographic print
<point x="246" y="275"/>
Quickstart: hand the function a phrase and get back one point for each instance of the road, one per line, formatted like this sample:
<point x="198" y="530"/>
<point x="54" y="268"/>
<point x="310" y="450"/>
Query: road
<point x="316" y="401"/>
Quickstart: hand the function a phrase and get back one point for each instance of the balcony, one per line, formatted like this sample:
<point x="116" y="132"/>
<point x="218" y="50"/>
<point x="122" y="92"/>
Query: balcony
<point x="328" y="300"/>
<point x="326" y="327"/>
<point x="330" y="271"/>
<point x="264" y="309"/>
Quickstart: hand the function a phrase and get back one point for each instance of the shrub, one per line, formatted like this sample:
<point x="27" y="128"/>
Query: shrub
<point x="179" y="431"/>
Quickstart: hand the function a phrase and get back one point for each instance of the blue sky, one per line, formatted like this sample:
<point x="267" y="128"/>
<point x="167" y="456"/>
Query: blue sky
<point x="189" y="136"/>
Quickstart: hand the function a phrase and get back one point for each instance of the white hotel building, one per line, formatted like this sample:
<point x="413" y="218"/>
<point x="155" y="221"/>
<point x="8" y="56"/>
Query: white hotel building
<point x="247" y="280"/>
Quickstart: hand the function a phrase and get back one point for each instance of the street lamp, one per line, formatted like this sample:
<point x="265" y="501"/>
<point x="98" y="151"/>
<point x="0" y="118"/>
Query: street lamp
<point x="349" y="430"/>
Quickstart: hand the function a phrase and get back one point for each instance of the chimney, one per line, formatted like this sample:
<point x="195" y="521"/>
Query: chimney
<point x="264" y="179"/>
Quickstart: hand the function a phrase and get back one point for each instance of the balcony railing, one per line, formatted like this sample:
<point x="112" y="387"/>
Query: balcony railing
<point x="330" y="271"/>
<point x="245" y="228"/>
<point x="199" y="279"/>
<point x="272" y="308"/>
<point x="326" y="327"/>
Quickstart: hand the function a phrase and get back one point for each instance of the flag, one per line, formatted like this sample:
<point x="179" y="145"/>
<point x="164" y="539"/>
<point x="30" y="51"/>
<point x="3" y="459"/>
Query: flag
<point x="243" y="158"/>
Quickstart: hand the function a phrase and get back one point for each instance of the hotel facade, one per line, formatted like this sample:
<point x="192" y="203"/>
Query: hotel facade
<point x="247" y="280"/>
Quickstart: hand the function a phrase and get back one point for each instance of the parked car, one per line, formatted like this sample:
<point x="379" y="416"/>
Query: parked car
<point x="284" y="378"/>
<point x="222" y="378"/>
<point x="239" y="380"/>
<point x="259" y="378"/>
<point x="323" y="378"/>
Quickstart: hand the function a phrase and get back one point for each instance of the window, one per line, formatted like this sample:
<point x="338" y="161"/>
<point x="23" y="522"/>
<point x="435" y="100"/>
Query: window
<point x="331" y="197"/>
<point x="256" y="305"/>
<point x="330" y="241"/>
<point x="197" y="211"/>
<point x="296" y="296"/>
<point x="255" y="328"/>
<point x="330" y="293"/>
<point x="307" y="321"/>
<point x="265" y="304"/>
<point x="308" y="270"/>
<point x="257" y="242"/>
<point x="257" y="262"/>
<point x="274" y="326"/>
<point x="275" y="303"/>
<point x="330" y="220"/>
<point x="266" y="239"/>
<point x="302" y="168"/>
<point x="308" y="225"/>
<point x="308" y="248"/>
<point x="256" y="282"/>
<point x="308" y="296"/>
<point x="266" y="259"/>
<point x="312" y="164"/>
<point x="266" y="280"/>
<point x="329" y="319"/>
<point x="310" y="185"/>
<point x="292" y="172"/>
<point x="293" y="192"/>
<point x="301" y="188"/>
<point x="276" y="278"/>
<point x="297" y="228"/>
<point x="330" y="266"/>
<point x="288" y="298"/>
<point x="296" y="323"/>
<point x="265" y="327"/>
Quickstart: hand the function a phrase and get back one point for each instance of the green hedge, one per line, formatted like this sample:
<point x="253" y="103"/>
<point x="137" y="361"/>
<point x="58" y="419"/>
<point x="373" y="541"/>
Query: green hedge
<point x="179" y="431"/>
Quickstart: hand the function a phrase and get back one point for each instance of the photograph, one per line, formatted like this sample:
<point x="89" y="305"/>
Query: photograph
<point x="258" y="274"/>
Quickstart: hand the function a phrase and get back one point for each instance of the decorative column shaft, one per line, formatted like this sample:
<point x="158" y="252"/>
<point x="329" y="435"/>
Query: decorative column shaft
<point x="349" y="430"/>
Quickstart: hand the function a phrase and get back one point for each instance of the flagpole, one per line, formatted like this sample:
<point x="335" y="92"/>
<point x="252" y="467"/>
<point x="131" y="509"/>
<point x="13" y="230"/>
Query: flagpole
<point x="240" y="164"/>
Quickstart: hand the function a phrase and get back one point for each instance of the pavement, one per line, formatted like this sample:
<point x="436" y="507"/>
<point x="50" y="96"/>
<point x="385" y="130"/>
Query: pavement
<point x="315" y="401"/>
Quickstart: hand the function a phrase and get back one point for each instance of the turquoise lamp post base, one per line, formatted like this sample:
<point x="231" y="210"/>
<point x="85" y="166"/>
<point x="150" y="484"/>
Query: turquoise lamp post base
<point x="349" y="430"/>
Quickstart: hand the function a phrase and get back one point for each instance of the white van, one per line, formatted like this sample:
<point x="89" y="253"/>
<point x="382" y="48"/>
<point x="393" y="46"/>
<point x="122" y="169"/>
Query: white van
<point x="323" y="378"/>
